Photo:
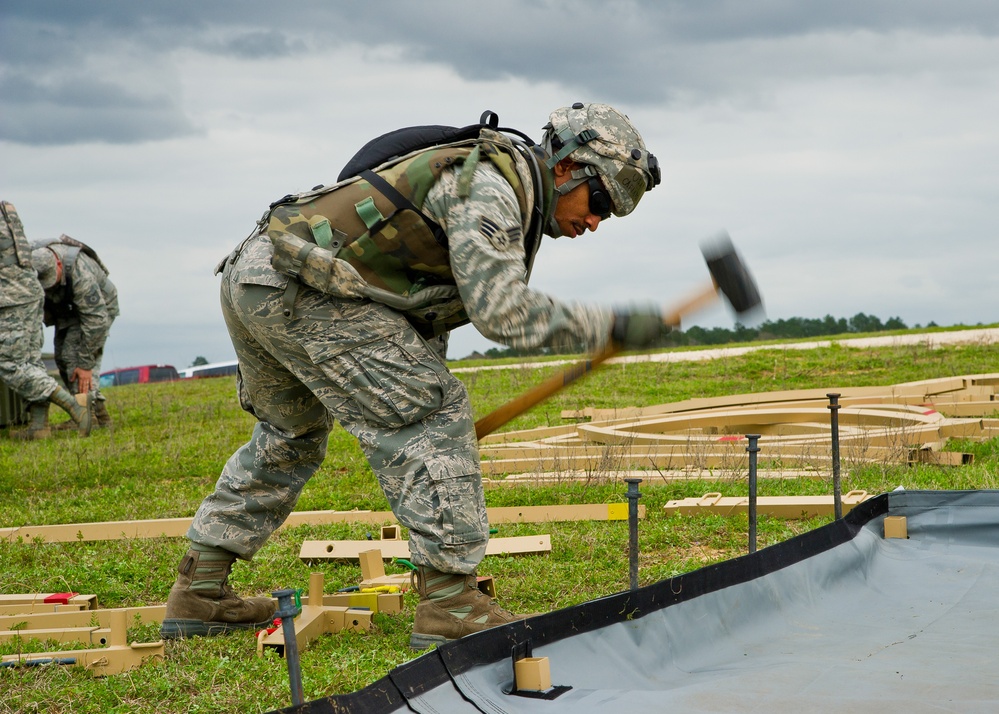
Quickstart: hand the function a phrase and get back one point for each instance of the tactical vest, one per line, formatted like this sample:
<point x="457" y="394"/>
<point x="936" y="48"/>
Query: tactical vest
<point x="373" y="224"/>
<point x="14" y="246"/>
<point x="60" y="304"/>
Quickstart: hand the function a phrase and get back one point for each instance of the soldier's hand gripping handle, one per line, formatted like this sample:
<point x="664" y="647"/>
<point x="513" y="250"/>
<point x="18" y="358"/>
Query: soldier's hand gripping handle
<point x="638" y="329"/>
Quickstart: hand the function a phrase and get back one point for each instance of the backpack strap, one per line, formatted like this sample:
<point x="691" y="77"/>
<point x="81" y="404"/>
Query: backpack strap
<point x="403" y="204"/>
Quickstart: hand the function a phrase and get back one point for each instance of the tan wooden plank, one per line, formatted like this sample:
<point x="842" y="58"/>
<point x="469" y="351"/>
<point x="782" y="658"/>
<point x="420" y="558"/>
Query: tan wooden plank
<point x="538" y="433"/>
<point x="115" y="530"/>
<point x="967" y="409"/>
<point x="779" y="506"/>
<point x="101" y="661"/>
<point x="170" y="527"/>
<point x="75" y="600"/>
<point x="108" y="530"/>
<point x="83" y="635"/>
<point x="31" y="608"/>
<point x="556" y="514"/>
<point x="941" y="458"/>
<point x="651" y="477"/>
<point x="83" y="618"/>
<point x="352" y="549"/>
<point x="797" y="457"/>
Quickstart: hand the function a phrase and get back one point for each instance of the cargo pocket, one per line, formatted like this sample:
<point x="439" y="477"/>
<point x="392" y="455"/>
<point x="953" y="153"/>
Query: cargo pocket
<point x="393" y="382"/>
<point x="459" y="505"/>
<point x="244" y="394"/>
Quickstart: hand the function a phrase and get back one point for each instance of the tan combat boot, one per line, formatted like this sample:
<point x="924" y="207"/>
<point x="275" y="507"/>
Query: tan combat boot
<point x="80" y="414"/>
<point x="102" y="413"/>
<point x="38" y="424"/>
<point x="202" y="603"/>
<point x="452" y="606"/>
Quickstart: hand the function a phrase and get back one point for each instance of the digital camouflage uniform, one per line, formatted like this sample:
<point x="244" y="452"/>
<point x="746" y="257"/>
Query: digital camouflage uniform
<point x="82" y="311"/>
<point x="21" y="297"/>
<point x="361" y="363"/>
<point x="383" y="266"/>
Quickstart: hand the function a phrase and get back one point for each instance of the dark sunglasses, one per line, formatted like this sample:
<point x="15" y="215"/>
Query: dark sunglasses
<point x="600" y="201"/>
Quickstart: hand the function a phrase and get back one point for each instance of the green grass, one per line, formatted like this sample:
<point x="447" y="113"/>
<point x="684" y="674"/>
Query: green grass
<point x="169" y="444"/>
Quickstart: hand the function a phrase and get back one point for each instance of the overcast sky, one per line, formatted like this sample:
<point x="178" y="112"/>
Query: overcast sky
<point x="850" y="148"/>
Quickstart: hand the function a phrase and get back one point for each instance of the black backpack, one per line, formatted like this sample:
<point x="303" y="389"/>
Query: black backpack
<point x="403" y="141"/>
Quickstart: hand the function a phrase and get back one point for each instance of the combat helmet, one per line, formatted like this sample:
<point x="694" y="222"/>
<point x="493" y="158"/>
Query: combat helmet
<point x="607" y="144"/>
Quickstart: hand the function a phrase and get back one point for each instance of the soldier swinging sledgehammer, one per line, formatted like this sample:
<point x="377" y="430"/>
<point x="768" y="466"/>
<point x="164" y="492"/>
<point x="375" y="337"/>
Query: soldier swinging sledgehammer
<point x="339" y="307"/>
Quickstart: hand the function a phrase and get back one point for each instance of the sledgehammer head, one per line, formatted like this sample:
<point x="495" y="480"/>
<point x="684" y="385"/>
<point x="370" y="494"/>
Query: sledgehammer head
<point x="730" y="275"/>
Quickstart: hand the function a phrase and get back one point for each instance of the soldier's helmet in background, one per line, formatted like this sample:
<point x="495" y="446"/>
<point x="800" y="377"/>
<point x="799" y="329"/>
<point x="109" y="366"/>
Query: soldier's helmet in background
<point x="45" y="264"/>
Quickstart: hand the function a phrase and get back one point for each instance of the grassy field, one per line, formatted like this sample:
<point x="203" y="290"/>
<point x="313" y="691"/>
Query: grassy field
<point x="169" y="443"/>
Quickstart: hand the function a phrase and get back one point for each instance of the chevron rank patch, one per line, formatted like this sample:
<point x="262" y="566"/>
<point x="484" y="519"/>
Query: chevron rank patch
<point x="501" y="238"/>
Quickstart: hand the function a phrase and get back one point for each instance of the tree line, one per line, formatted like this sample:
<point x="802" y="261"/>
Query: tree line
<point x="790" y="328"/>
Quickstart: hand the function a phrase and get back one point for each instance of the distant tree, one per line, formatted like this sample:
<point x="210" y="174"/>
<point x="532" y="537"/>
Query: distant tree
<point x="198" y="361"/>
<point x="783" y="328"/>
<point x="865" y="323"/>
<point x="832" y="326"/>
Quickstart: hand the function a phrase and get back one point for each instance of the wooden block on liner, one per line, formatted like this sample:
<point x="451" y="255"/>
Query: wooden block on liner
<point x="895" y="527"/>
<point x="533" y="674"/>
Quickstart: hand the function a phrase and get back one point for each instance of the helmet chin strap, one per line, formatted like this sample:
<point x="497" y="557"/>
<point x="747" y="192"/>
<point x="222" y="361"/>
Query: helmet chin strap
<point x="576" y="177"/>
<point x="553" y="228"/>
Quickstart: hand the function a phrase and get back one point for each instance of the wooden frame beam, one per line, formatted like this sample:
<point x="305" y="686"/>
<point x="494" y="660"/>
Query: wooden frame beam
<point x="177" y="527"/>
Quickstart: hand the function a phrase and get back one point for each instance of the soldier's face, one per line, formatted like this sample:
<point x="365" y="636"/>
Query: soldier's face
<point x="572" y="212"/>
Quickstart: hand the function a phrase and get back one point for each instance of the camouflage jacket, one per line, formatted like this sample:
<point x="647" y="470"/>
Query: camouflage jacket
<point x="86" y="296"/>
<point x="18" y="281"/>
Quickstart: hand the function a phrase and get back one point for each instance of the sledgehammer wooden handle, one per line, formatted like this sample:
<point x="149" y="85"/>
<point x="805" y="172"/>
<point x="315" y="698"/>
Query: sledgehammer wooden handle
<point x="515" y="407"/>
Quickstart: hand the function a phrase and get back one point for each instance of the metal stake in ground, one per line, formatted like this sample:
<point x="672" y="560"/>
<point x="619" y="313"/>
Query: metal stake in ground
<point x="753" y="449"/>
<point x="287" y="611"/>
<point x="834" y="406"/>
<point x="633" y="496"/>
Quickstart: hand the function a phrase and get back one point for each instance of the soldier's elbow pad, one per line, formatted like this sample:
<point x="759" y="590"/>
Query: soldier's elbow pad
<point x="316" y="267"/>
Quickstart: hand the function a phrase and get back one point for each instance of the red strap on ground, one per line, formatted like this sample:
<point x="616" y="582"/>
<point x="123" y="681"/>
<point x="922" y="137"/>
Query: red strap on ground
<point x="59" y="598"/>
<point x="274" y="627"/>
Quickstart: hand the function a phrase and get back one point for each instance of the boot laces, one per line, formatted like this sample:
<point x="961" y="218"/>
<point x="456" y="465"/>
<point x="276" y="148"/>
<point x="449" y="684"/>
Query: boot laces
<point x="493" y="603"/>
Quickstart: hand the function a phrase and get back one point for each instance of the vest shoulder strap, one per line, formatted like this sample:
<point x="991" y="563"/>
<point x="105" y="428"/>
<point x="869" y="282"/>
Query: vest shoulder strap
<point x="76" y="246"/>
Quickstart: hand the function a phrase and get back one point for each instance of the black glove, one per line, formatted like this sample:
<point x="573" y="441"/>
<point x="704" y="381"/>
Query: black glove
<point x="638" y="329"/>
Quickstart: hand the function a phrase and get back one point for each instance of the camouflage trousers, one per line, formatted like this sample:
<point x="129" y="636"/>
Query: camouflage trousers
<point x="21" y="340"/>
<point x="68" y="340"/>
<point x="361" y="364"/>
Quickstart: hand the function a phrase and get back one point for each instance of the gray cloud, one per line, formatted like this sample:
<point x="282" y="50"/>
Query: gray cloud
<point x="73" y="108"/>
<point x="643" y="52"/>
<point x="847" y="146"/>
<point x="257" y="44"/>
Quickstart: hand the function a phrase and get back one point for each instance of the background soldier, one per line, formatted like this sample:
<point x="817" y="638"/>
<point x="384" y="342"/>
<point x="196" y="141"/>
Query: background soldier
<point x="339" y="308"/>
<point x="21" y="335"/>
<point x="82" y="302"/>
